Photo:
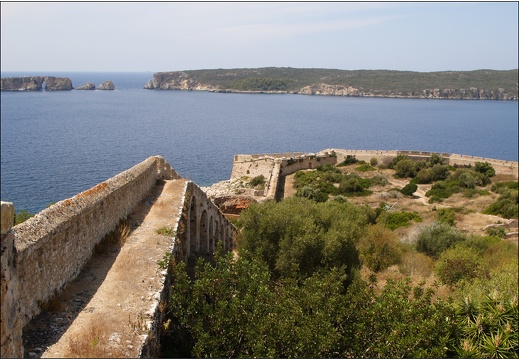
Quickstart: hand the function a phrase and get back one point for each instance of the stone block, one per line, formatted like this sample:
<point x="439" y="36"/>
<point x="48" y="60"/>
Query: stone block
<point x="7" y="216"/>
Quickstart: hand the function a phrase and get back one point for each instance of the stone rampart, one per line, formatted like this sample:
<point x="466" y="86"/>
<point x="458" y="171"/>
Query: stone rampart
<point x="275" y="166"/>
<point x="199" y="228"/>
<point x="46" y="252"/>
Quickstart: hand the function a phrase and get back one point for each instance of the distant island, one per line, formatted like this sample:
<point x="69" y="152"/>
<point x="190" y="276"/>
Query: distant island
<point x="476" y="85"/>
<point x="47" y="83"/>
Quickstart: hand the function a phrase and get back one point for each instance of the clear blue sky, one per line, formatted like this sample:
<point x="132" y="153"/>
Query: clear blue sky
<point x="129" y="36"/>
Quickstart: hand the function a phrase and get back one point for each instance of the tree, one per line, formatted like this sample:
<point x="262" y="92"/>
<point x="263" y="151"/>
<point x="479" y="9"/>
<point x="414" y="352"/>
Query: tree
<point x="297" y="237"/>
<point x="484" y="168"/>
<point x="405" y="169"/>
<point x="386" y="326"/>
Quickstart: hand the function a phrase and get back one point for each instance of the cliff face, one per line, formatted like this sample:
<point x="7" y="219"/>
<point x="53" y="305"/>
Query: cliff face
<point x="466" y="94"/>
<point x="476" y="85"/>
<point x="35" y="83"/>
<point x="177" y="80"/>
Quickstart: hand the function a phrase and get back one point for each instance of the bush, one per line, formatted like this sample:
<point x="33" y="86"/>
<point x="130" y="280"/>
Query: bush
<point x="488" y="328"/>
<point x="258" y="180"/>
<point x="409" y="189"/>
<point x="405" y="169"/>
<point x="435" y="239"/>
<point x="446" y="215"/>
<point x="396" y="160"/>
<point x="457" y="263"/>
<point x="484" y="168"/>
<point x="506" y="205"/>
<point x="378" y="180"/>
<point x="373" y="161"/>
<point x="349" y="160"/>
<point x="309" y="192"/>
<point x="21" y="216"/>
<point x="364" y="168"/>
<point x="297" y="237"/>
<point x="379" y="248"/>
<point x="394" y="220"/>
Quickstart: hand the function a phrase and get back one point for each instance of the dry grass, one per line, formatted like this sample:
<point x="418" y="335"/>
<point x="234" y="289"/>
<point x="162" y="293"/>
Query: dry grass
<point x="114" y="238"/>
<point x="93" y="342"/>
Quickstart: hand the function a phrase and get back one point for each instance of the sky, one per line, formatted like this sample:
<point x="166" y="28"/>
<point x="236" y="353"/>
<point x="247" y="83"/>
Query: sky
<point x="174" y="36"/>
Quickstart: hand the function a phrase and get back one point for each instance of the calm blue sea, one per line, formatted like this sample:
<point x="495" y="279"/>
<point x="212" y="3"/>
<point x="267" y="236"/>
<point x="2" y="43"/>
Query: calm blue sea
<point x="57" y="144"/>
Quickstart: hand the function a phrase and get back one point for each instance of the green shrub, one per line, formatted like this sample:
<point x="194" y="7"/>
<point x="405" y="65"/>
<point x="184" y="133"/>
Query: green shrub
<point x="446" y="215"/>
<point x="373" y="161"/>
<point x="257" y="181"/>
<point x="364" y="168"/>
<point x="394" y="220"/>
<point x="378" y="180"/>
<point x="409" y="189"/>
<point x="21" y="216"/>
<point x="488" y="328"/>
<point x="166" y="231"/>
<point x="297" y="236"/>
<point x="438" y="237"/>
<point x="503" y="186"/>
<point x="405" y="169"/>
<point x="349" y="160"/>
<point x="506" y="205"/>
<point x="442" y="190"/>
<point x="457" y="263"/>
<point x="484" y="168"/>
<point x="379" y="248"/>
<point x="501" y="278"/>
<point x="311" y="193"/>
<point x="396" y="160"/>
<point x="498" y="231"/>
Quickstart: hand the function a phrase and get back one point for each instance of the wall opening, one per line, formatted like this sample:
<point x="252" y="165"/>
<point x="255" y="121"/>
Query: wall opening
<point x="193" y="233"/>
<point x="203" y="232"/>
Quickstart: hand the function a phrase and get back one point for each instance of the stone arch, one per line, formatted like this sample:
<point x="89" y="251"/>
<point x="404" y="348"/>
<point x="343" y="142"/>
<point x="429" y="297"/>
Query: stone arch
<point x="203" y="239"/>
<point x="193" y="231"/>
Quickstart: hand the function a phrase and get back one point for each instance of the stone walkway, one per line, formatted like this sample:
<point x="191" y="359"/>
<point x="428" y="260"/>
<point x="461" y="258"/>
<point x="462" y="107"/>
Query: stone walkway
<point x="106" y="310"/>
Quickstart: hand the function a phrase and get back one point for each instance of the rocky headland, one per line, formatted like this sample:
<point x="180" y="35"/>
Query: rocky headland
<point x="474" y="85"/>
<point x="48" y="83"/>
<point x="36" y="83"/>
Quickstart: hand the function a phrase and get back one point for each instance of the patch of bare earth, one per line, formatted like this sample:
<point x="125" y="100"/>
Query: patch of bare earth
<point x="107" y="310"/>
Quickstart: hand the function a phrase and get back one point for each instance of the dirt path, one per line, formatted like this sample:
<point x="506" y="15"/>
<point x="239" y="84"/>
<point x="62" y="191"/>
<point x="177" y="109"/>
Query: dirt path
<point x="105" y="311"/>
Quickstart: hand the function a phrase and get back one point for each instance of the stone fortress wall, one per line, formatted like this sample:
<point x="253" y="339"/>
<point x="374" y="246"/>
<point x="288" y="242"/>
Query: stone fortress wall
<point x="43" y="254"/>
<point x="275" y="166"/>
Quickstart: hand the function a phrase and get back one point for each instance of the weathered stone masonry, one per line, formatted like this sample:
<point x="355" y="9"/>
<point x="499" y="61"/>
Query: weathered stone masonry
<point x="274" y="167"/>
<point x="45" y="253"/>
<point x="42" y="255"/>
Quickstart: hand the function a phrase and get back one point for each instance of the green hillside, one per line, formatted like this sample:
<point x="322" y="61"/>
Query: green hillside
<point x="376" y="82"/>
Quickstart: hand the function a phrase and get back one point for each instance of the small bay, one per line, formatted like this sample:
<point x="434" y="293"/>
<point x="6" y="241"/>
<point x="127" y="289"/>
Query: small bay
<point x="57" y="144"/>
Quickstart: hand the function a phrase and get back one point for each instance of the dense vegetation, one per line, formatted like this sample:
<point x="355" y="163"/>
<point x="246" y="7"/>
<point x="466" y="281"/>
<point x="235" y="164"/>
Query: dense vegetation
<point x="375" y="81"/>
<point x="305" y="281"/>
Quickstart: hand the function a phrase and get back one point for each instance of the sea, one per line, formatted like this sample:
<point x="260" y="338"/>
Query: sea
<point x="57" y="144"/>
